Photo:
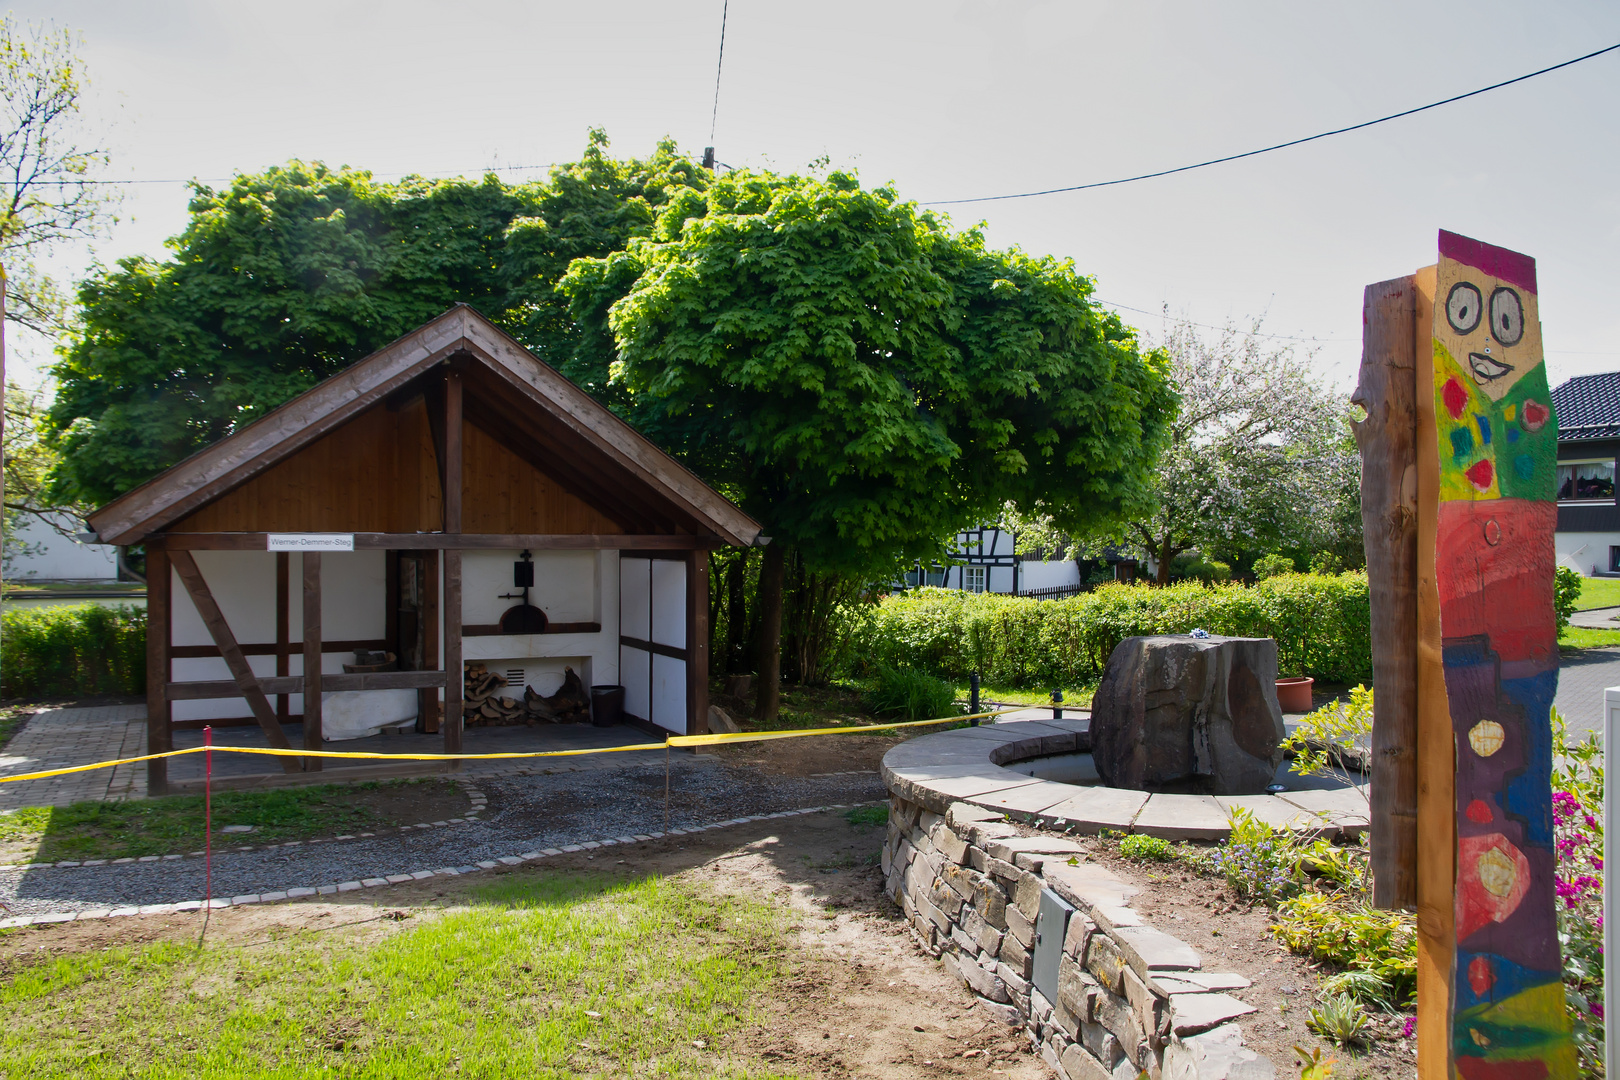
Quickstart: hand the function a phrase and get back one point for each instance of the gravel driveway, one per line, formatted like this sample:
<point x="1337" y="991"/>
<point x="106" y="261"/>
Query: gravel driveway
<point x="525" y="813"/>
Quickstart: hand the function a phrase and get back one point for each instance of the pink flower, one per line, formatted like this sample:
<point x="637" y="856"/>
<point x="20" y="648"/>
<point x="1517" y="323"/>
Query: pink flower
<point x="1411" y="1026"/>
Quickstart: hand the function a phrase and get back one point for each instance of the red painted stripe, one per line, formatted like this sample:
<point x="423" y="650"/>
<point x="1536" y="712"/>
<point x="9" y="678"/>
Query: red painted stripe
<point x="1509" y="266"/>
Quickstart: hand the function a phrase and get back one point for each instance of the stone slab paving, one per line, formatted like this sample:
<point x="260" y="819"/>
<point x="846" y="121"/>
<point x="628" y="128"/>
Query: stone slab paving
<point x="1582" y="678"/>
<point x="59" y="738"/>
<point x="969" y="765"/>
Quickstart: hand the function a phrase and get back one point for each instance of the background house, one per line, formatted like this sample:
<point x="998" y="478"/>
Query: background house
<point x="1588" y="412"/>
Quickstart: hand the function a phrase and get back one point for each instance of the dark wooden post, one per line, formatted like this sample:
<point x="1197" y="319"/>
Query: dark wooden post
<point x="453" y="688"/>
<point x="453" y="484"/>
<point x="1388" y="441"/>
<point x="159" y="726"/>
<point x="312" y="656"/>
<point x="697" y="643"/>
<point x="283" y="630"/>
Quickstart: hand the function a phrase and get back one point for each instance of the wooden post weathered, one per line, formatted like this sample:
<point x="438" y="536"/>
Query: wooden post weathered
<point x="697" y="642"/>
<point x="1387" y="438"/>
<point x="312" y="656"/>
<point x="453" y="488"/>
<point x="159" y="728"/>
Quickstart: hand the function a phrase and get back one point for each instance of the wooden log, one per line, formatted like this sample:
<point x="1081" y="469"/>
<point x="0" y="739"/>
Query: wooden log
<point x="312" y="656"/>
<point x="1436" y="748"/>
<point x="294" y="684"/>
<point x="247" y="683"/>
<point x="1387" y="438"/>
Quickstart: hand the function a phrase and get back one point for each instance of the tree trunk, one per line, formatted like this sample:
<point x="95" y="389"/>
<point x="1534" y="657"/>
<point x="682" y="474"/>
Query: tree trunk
<point x="768" y="698"/>
<point x="737" y="615"/>
<point x="1166" y="553"/>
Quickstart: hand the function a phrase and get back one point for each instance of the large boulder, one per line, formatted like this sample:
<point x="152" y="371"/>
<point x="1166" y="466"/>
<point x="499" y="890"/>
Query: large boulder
<point x="1189" y="714"/>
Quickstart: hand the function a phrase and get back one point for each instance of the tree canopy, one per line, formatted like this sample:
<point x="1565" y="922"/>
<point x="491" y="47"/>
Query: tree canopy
<point x="1260" y="459"/>
<point x="865" y="379"/>
<point x="287" y="277"/>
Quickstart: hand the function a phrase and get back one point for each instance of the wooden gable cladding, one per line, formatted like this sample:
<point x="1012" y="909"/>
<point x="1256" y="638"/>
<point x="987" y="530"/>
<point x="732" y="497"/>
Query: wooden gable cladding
<point x="379" y="473"/>
<point x="503" y="493"/>
<point x="375" y="473"/>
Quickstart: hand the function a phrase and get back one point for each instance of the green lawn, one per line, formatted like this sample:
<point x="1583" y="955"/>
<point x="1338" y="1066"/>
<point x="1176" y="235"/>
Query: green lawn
<point x="116" y="830"/>
<point x="545" y="975"/>
<point x="1078" y="698"/>
<point x="1598" y="592"/>
<point x="1581" y="637"/>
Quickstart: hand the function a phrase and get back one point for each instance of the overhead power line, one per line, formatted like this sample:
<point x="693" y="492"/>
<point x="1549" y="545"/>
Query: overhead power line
<point x="229" y="179"/>
<point x="1278" y="146"/>
<point x="719" y="65"/>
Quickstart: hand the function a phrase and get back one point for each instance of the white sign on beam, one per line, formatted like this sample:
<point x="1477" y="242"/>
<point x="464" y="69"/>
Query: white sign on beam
<point x="311" y="542"/>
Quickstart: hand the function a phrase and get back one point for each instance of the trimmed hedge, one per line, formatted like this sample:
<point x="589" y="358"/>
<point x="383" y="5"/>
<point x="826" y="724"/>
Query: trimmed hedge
<point x="72" y="650"/>
<point x="1320" y="622"/>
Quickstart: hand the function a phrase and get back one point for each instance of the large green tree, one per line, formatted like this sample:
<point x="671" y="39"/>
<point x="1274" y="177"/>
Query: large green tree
<point x="867" y="380"/>
<point x="287" y="277"/>
<point x="859" y="376"/>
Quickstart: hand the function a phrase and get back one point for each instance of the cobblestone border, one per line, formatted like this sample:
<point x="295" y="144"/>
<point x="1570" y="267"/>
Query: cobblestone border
<point x="304" y="893"/>
<point x="477" y="801"/>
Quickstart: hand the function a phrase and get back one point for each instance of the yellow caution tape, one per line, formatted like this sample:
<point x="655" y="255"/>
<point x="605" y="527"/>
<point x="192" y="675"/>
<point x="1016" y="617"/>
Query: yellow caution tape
<point x="673" y="740"/>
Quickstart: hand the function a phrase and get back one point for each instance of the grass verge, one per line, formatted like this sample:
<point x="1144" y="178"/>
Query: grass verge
<point x="1597" y="593"/>
<point x="546" y="975"/>
<point x="117" y="830"/>
<point x="1581" y="637"/>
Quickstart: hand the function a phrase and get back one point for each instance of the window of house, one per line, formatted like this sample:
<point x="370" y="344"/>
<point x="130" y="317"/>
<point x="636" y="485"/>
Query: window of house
<point x="973" y="578"/>
<point x="1580" y="481"/>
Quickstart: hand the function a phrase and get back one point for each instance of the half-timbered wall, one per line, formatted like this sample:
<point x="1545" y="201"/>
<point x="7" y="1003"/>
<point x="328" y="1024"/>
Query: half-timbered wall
<point x="578" y="587"/>
<point x="652" y="642"/>
<point x="244" y="586"/>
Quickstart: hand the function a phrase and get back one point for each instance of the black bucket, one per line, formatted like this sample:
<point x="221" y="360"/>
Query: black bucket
<point x="607" y="705"/>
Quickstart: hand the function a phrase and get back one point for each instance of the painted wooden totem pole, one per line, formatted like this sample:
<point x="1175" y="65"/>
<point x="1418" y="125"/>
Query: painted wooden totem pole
<point x="1459" y="506"/>
<point x="1494" y="563"/>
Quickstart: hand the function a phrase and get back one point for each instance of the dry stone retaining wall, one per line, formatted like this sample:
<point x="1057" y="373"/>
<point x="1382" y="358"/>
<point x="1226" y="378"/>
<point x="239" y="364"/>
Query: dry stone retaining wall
<point x="1107" y="997"/>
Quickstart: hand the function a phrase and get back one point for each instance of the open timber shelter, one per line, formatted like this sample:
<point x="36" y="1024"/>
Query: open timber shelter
<point x="413" y="489"/>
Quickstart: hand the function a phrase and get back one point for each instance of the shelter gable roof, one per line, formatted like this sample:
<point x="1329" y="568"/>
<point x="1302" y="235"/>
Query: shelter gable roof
<point x="460" y="332"/>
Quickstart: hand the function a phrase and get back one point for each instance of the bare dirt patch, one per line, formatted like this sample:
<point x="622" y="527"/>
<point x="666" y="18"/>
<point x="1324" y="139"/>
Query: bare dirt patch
<point x="1232" y="935"/>
<point x="810" y="757"/>
<point x="856" y="998"/>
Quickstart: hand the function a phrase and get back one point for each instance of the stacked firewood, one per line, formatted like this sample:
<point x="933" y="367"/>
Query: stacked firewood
<point x="483" y="704"/>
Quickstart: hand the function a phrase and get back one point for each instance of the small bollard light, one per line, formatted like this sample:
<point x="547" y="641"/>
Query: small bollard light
<point x="973" y="699"/>
<point x="1057" y="704"/>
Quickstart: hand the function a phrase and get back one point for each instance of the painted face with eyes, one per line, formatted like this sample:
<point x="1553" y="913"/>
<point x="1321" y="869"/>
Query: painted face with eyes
<point x="1488" y="318"/>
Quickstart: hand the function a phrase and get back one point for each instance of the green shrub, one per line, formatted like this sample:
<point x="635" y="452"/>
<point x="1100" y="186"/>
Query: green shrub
<point x="1566" y="594"/>
<point x="1147" y="848"/>
<point x="907" y="694"/>
<point x="1270" y="566"/>
<point x="1210" y="571"/>
<point x="1349" y="935"/>
<point x="72" y="650"/>
<point x="1325" y="562"/>
<point x="1320" y="624"/>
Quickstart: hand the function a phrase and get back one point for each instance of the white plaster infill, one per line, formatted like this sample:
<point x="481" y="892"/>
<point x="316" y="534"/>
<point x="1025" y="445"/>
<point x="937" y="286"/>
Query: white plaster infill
<point x="968" y="765"/>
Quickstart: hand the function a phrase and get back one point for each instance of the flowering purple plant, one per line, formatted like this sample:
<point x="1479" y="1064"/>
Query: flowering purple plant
<point x="1578" y="841"/>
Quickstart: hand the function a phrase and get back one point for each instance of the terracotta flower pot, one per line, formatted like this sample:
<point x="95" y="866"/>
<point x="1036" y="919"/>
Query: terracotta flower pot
<point x="1294" y="695"/>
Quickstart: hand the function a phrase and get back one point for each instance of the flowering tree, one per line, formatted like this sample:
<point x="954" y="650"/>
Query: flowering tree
<point x="1261" y="458"/>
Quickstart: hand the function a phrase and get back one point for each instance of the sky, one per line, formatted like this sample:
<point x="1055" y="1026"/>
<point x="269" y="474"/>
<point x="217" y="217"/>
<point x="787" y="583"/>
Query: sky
<point x="946" y="100"/>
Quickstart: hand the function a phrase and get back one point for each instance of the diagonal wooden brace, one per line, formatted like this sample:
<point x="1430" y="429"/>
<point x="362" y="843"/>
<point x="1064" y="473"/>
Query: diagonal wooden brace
<point x="186" y="567"/>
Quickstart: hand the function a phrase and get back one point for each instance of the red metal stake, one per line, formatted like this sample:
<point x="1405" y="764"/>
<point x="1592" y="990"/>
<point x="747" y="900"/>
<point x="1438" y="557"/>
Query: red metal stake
<point x="208" y="824"/>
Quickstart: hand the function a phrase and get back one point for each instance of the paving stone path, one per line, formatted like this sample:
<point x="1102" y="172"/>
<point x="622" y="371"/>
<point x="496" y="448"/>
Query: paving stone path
<point x="58" y="738"/>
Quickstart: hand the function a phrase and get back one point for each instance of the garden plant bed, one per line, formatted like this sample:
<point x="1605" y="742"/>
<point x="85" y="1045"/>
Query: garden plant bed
<point x="1234" y="935"/>
<point x="174" y="824"/>
<point x="763" y="950"/>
